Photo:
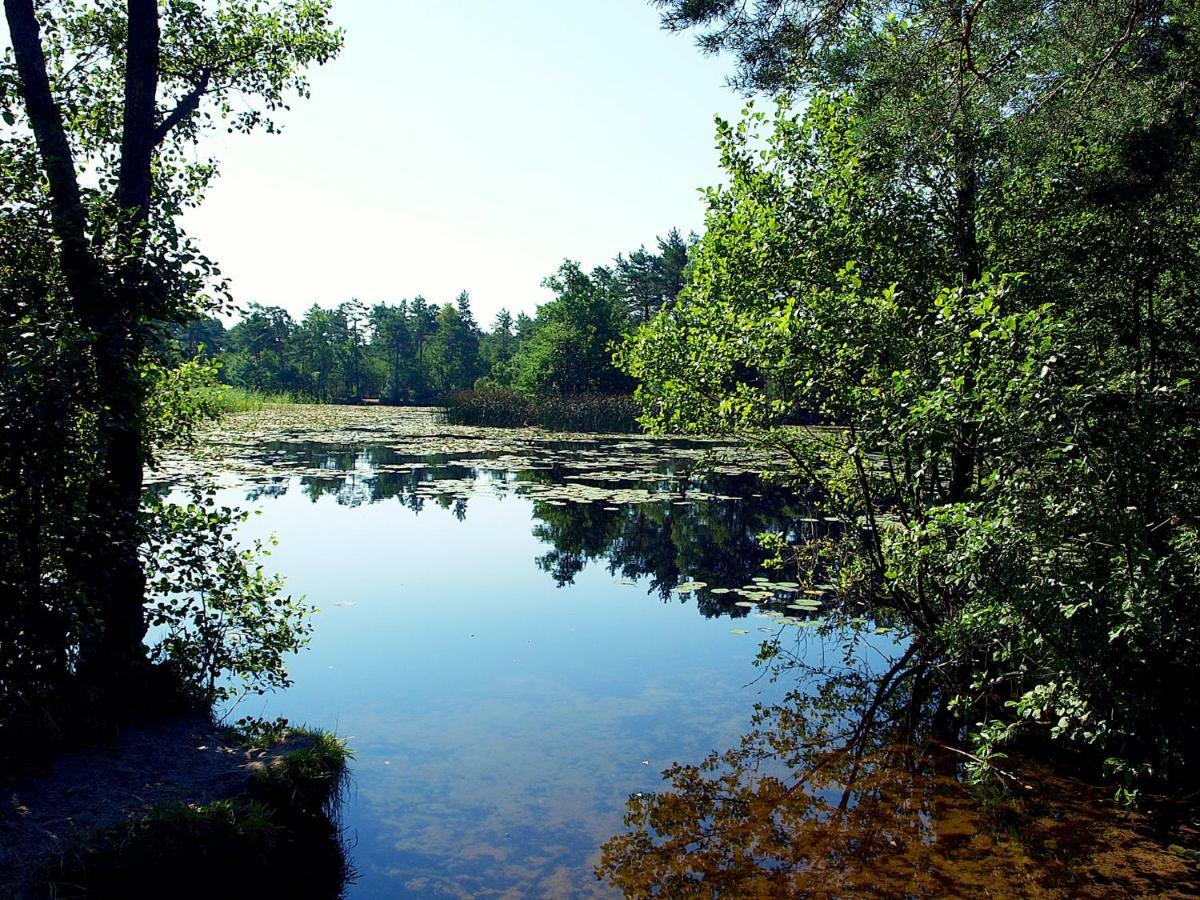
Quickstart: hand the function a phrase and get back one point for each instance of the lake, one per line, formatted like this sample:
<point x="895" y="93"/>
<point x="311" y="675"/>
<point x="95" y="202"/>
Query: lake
<point x="520" y="631"/>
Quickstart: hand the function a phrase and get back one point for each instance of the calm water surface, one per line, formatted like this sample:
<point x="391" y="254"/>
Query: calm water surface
<point x="509" y="667"/>
<point x="554" y="656"/>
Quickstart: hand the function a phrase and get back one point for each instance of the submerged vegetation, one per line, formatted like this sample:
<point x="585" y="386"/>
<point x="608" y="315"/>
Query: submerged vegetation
<point x="855" y="777"/>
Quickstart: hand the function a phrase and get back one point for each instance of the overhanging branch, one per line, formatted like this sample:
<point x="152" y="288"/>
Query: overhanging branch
<point x="187" y="105"/>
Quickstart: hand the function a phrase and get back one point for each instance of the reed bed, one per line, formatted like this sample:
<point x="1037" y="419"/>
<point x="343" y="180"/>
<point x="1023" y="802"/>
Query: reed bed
<point x="502" y="408"/>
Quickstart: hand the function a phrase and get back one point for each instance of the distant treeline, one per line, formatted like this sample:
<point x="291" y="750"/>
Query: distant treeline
<point x="414" y="351"/>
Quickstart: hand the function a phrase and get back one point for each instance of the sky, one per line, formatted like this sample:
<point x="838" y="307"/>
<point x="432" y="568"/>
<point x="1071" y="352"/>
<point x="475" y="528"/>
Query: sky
<point x="469" y="145"/>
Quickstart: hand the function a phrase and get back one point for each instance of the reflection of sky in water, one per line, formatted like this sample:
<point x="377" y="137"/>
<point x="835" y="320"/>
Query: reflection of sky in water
<point x="500" y="641"/>
<point x="499" y="721"/>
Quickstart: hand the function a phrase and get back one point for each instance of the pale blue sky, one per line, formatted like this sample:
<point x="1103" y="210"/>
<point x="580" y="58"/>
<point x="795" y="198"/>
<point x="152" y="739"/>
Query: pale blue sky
<point x="469" y="144"/>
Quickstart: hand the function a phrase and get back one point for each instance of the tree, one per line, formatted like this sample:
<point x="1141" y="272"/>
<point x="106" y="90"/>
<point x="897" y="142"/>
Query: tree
<point x="352" y="316"/>
<point x="170" y="71"/>
<point x="314" y="341"/>
<point x="423" y="321"/>
<point x="648" y="281"/>
<point x="392" y="341"/>
<point x="258" y="349"/>
<point x="498" y="345"/>
<point x="454" y="350"/>
<point x="947" y="90"/>
<point x="928" y="257"/>
<point x="569" y="350"/>
<point x="205" y="335"/>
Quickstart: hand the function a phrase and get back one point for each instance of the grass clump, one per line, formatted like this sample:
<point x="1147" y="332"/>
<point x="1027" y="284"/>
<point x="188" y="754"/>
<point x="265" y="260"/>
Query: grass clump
<point x="496" y="407"/>
<point x="309" y="778"/>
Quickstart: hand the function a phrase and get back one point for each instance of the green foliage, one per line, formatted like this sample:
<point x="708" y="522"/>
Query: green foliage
<point x="410" y="352"/>
<point x="1015" y="454"/>
<point x="649" y="281"/>
<point x="414" y="352"/>
<point x="102" y="106"/>
<point x="454" y="350"/>
<point x="47" y="429"/>
<point x="180" y="399"/>
<point x="221" y="622"/>
<point x="569" y="346"/>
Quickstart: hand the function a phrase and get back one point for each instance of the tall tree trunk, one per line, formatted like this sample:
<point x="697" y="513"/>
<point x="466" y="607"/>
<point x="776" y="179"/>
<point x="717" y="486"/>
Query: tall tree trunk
<point x="965" y="164"/>
<point x="970" y="263"/>
<point x="120" y="344"/>
<point x="110" y="305"/>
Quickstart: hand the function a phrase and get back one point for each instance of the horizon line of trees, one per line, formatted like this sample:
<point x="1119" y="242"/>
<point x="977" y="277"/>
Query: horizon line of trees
<point x="414" y="351"/>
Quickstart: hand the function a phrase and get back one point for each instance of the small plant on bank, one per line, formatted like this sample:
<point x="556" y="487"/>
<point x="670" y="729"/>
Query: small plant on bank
<point x="309" y="779"/>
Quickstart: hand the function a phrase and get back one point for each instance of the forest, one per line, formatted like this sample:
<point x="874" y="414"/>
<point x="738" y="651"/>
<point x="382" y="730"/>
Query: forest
<point x="928" y="372"/>
<point x="418" y="352"/>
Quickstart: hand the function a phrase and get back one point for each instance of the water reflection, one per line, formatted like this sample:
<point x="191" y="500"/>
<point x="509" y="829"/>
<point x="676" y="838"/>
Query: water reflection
<point x="851" y="787"/>
<point x="486" y="646"/>
<point x="668" y="520"/>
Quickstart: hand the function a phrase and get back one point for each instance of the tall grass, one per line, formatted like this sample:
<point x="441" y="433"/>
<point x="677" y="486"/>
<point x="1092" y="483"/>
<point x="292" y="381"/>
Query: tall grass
<point x="503" y="408"/>
<point x="235" y="399"/>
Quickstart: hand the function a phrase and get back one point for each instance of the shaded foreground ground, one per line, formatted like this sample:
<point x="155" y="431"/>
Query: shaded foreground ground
<point x="188" y="762"/>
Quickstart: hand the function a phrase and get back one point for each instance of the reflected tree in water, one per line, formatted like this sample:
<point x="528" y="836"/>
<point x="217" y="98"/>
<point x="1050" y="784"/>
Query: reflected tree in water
<point x="715" y="541"/>
<point x="667" y="541"/>
<point x="851" y="786"/>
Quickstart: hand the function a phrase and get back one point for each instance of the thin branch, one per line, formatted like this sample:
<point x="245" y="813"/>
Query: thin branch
<point x="186" y="106"/>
